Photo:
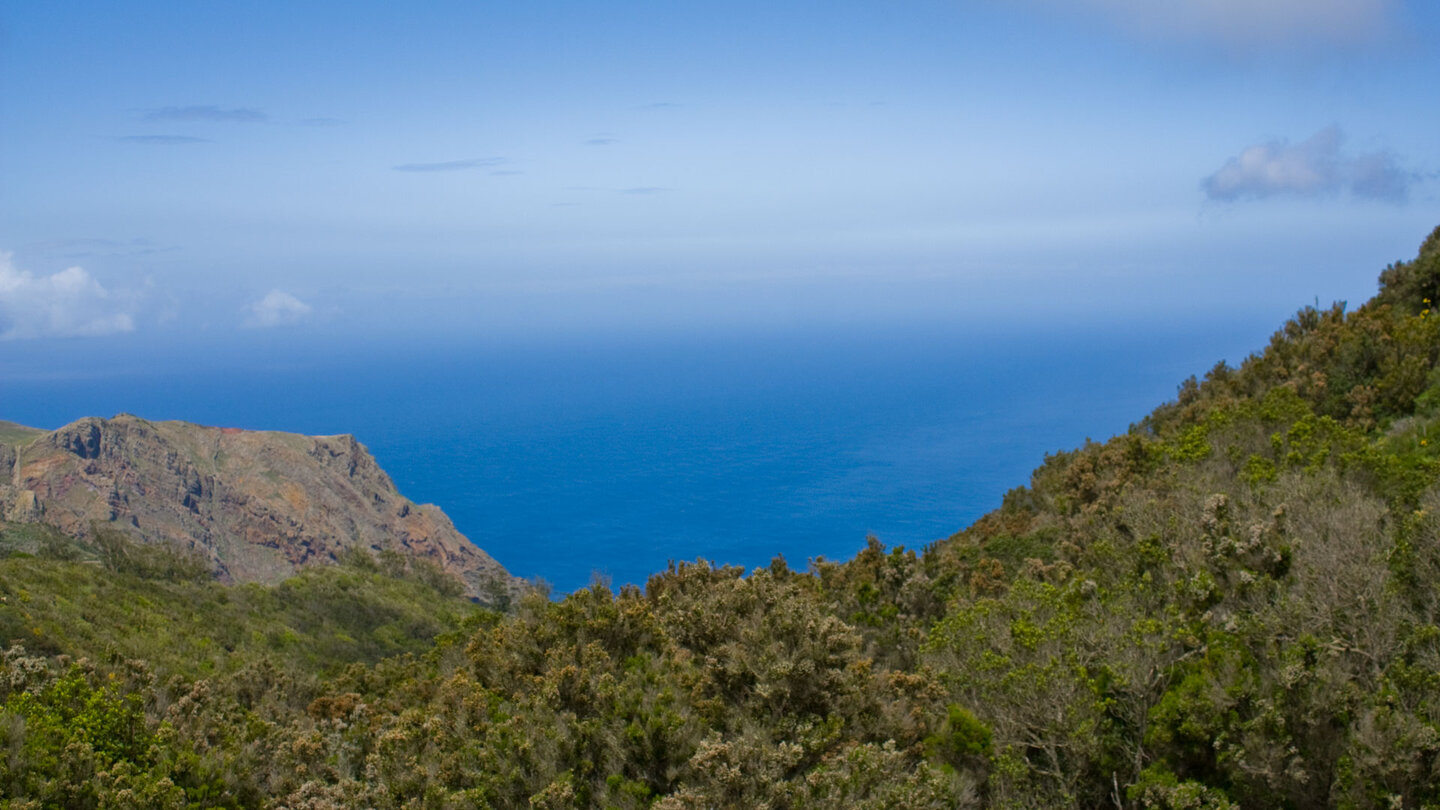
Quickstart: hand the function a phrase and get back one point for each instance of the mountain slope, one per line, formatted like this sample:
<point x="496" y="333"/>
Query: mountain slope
<point x="1237" y="602"/>
<point x="1234" y="604"/>
<point x="256" y="505"/>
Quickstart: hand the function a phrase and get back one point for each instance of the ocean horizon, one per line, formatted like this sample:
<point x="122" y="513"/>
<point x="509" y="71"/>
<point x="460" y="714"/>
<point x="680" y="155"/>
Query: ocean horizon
<point x="603" y="459"/>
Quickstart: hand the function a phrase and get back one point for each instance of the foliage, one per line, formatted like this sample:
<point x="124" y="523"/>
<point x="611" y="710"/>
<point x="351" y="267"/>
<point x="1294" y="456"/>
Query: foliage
<point x="1234" y="604"/>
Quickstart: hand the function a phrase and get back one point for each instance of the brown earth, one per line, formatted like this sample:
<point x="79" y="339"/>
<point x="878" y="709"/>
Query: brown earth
<point x="256" y="504"/>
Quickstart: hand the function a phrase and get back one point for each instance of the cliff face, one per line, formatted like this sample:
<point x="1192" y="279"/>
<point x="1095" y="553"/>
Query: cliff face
<point x="257" y="504"/>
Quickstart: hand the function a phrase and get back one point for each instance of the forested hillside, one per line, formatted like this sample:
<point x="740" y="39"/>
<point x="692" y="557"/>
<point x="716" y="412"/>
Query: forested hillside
<point x="1234" y="604"/>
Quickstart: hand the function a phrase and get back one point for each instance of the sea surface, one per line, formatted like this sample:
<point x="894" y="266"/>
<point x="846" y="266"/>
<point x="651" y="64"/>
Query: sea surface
<point x="584" y="458"/>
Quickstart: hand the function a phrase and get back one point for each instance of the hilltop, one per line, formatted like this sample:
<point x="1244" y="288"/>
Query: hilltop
<point x="255" y="506"/>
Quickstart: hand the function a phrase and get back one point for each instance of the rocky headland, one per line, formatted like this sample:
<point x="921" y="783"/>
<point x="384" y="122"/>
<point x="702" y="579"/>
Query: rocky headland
<point x="257" y="505"/>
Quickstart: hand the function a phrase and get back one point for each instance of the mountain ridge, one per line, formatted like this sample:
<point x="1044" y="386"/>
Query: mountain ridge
<point x="256" y="505"/>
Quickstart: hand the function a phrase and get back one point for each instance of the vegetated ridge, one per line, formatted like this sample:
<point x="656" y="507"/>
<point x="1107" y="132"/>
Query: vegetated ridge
<point x="1236" y="603"/>
<point x="255" y="505"/>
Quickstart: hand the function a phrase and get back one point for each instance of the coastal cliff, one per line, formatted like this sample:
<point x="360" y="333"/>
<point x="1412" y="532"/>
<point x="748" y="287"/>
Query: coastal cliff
<point x="257" y="505"/>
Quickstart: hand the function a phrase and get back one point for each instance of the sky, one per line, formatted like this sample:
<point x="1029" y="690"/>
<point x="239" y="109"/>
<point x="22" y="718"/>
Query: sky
<point x="287" y="174"/>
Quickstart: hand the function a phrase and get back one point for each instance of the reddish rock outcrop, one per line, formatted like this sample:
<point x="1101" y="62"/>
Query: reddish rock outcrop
<point x="257" y="504"/>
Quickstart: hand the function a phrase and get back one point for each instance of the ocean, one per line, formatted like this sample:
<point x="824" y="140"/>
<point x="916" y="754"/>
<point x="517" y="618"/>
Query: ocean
<point x="585" y="458"/>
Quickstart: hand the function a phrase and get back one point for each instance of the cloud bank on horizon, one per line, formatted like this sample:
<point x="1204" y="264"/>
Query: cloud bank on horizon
<point x="66" y="304"/>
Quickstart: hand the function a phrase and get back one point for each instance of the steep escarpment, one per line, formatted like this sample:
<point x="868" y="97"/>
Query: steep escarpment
<point x="257" y="505"/>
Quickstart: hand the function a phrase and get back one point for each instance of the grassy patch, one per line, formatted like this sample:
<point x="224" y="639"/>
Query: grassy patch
<point x="18" y="435"/>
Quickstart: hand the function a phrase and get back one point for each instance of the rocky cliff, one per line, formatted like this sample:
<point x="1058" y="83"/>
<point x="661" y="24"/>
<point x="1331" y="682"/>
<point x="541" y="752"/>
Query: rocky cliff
<point x="256" y="504"/>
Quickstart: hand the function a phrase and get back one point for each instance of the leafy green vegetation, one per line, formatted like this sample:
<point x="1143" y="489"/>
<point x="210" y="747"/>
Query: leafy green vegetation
<point x="1234" y="604"/>
<point x="108" y="597"/>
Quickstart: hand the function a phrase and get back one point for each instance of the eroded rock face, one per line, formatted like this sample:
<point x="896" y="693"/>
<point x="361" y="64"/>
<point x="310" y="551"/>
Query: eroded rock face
<point x="23" y="508"/>
<point x="258" y="504"/>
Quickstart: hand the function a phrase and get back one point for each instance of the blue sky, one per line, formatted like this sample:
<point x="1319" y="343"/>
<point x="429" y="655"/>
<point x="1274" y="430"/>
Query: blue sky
<point x="337" y="171"/>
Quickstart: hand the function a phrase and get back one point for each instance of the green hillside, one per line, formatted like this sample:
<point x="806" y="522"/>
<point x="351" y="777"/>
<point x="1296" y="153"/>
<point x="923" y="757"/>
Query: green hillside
<point x="13" y="434"/>
<point x="1234" y="604"/>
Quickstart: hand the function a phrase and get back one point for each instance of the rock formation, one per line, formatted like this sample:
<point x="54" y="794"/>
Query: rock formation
<point x="256" y="504"/>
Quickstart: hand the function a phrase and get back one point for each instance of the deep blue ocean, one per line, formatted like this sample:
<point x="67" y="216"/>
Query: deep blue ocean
<point x="575" y="458"/>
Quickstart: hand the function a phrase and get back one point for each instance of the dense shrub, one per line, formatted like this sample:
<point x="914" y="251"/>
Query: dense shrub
<point x="1234" y="604"/>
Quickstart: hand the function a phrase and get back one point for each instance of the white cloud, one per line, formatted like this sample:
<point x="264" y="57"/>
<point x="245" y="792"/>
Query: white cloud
<point x="1314" y="167"/>
<point x="277" y="308"/>
<point x="69" y="303"/>
<point x="1250" y="23"/>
